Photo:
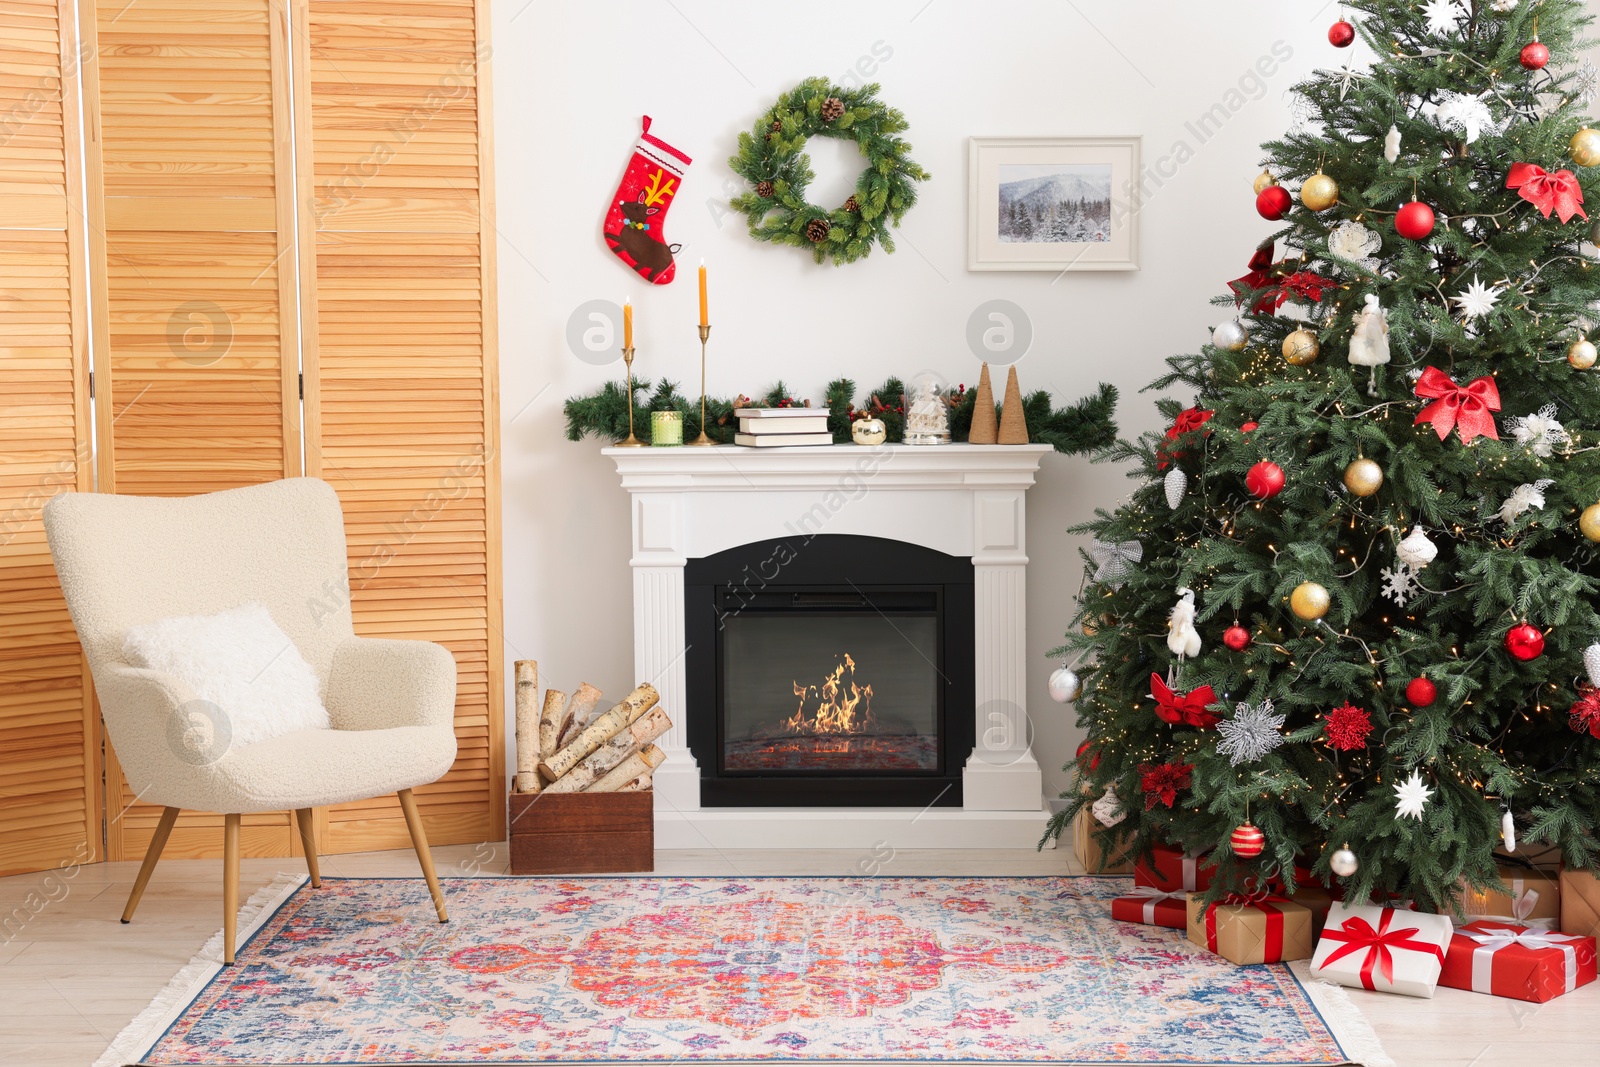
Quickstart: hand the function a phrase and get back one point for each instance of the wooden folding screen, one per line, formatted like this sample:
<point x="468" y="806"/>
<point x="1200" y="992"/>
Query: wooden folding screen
<point x="49" y="775"/>
<point x="401" y="420"/>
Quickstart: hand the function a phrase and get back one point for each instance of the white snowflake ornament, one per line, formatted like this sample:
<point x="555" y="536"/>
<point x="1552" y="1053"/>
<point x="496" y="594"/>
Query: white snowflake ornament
<point x="1182" y="638"/>
<point x="1353" y="241"/>
<point x="1107" y="811"/>
<point x="1585" y="82"/>
<point x="1411" y="796"/>
<point x="1540" y="433"/>
<point x="1400" y="584"/>
<point x="1528" y="495"/>
<point x="1176" y="484"/>
<point x="1416" y="551"/>
<point x="1444" y="16"/>
<point x="1250" y="734"/>
<point x="1391" y="143"/>
<point x="1477" y="300"/>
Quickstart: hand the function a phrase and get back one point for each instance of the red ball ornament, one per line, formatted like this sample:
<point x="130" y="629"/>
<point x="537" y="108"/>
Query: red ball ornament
<point x="1414" y="221"/>
<point x="1341" y="34"/>
<point x="1247" y="427"/>
<point x="1273" y="202"/>
<point x="1094" y="755"/>
<point x="1265" y="480"/>
<point x="1421" y="692"/>
<point x="1236" y="637"/>
<point x="1535" y="55"/>
<point x="1248" y="842"/>
<point x="1525" y="642"/>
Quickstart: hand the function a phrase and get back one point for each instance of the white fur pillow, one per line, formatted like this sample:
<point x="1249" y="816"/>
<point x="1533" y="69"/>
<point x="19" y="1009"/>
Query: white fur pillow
<point x="239" y="660"/>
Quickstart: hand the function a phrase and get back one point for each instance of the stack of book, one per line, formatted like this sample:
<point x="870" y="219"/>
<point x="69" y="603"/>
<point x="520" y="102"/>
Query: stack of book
<point x="782" y="427"/>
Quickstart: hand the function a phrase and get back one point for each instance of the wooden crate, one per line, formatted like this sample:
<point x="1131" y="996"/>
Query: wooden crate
<point x="582" y="833"/>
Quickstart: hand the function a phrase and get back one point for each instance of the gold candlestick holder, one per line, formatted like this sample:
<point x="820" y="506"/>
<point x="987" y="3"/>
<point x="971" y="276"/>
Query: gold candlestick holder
<point x="630" y="441"/>
<point x="704" y="438"/>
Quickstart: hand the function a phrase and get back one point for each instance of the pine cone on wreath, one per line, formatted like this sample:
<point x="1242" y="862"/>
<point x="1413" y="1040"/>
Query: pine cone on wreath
<point x="817" y="230"/>
<point x="832" y="108"/>
<point x="852" y="204"/>
<point x="764" y="190"/>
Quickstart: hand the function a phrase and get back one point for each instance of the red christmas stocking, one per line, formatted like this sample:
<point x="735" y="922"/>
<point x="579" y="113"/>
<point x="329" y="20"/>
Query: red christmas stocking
<point x="638" y="212"/>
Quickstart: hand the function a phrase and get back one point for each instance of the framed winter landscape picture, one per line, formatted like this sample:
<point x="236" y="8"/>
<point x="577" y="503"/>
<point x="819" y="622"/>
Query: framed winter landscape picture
<point x="1053" y="203"/>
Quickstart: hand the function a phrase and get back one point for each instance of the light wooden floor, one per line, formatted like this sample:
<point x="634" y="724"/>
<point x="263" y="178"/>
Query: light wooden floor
<point x="71" y="976"/>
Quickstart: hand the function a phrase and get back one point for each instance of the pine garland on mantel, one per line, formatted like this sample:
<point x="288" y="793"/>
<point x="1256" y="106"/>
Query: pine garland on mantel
<point x="1086" y="426"/>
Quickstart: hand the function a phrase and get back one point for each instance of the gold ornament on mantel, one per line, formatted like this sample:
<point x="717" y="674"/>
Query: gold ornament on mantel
<point x="1589" y="522"/>
<point x="1584" y="147"/>
<point x="1363" y="477"/>
<point x="1263" y="180"/>
<point x="1301" y="348"/>
<point x="1319" y="192"/>
<point x="1581" y="353"/>
<point x="1309" y="601"/>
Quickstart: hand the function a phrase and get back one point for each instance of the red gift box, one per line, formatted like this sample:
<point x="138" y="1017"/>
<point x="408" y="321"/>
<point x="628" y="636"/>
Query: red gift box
<point x="1518" y="962"/>
<point x="1175" y="871"/>
<point x="1152" y="907"/>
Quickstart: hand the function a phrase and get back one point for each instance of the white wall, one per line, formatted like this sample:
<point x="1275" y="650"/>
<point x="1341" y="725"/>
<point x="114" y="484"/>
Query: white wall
<point x="572" y="79"/>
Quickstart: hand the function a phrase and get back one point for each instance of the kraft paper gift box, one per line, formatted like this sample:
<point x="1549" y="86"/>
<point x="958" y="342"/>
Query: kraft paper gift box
<point x="1519" y="962"/>
<point x="1580" y="903"/>
<point x="1153" y="907"/>
<point x="1253" y="930"/>
<point x="1087" y="848"/>
<point x="1391" y="951"/>
<point x="1535" y="898"/>
<point x="1175" y="871"/>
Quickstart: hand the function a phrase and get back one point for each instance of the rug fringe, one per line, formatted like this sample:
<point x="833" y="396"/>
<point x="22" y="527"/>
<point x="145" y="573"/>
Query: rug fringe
<point x="1347" y="1021"/>
<point x="138" y="1036"/>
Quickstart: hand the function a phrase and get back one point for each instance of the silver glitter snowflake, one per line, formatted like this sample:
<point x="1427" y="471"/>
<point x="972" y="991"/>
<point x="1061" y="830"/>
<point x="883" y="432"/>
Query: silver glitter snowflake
<point x="1585" y="82"/>
<point x="1444" y="16"/>
<point x="1400" y="583"/>
<point x="1250" y="734"/>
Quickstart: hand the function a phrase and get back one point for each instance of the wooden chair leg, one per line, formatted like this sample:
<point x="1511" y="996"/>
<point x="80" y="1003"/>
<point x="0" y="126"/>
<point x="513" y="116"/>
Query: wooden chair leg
<point x="230" y="885"/>
<point x="309" y="843"/>
<point x="151" y="855"/>
<point x="419" y="841"/>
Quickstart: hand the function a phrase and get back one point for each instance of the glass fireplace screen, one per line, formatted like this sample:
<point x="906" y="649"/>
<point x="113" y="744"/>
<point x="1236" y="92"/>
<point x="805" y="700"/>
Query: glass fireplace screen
<point x="815" y="691"/>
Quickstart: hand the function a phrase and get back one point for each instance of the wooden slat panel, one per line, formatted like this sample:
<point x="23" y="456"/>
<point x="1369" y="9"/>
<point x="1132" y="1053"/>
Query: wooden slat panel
<point x="404" y="418"/>
<point x="49" y="777"/>
<point x="192" y="247"/>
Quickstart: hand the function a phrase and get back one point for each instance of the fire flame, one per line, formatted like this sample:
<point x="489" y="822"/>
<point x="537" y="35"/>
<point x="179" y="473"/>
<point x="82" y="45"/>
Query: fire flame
<point x="837" y="706"/>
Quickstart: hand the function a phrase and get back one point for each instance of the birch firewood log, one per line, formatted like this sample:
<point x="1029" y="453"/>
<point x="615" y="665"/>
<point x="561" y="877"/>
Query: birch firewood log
<point x="642" y="762"/>
<point x="528" y="747"/>
<point x="638" y="785"/>
<point x="579" y="713"/>
<point x="551" y="722"/>
<point x="598" y="732"/>
<point x="625" y="743"/>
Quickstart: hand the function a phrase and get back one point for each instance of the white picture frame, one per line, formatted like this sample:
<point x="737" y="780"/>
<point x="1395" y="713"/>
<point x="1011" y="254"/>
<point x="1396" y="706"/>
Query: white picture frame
<point x="1053" y="203"/>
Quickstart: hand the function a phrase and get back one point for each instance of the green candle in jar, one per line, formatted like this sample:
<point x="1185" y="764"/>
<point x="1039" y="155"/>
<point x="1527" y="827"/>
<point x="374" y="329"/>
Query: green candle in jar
<point x="666" y="428"/>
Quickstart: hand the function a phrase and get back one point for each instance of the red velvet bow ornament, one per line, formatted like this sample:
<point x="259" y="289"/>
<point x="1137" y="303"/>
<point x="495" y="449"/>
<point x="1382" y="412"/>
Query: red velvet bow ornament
<point x="1558" y="192"/>
<point x="1467" y="408"/>
<point x="1275" y="289"/>
<point x="1188" y="421"/>
<point x="1189" y="708"/>
<point x="1258" y="277"/>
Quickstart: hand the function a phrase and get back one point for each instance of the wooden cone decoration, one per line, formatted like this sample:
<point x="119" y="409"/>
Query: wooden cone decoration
<point x="1013" y="426"/>
<point x="984" y="427"/>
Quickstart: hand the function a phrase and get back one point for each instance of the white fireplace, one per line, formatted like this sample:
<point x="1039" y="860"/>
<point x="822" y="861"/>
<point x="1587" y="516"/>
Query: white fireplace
<point x="961" y="500"/>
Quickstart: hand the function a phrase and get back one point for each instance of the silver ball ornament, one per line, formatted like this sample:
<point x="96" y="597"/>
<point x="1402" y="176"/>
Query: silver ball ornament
<point x="1343" y="862"/>
<point x="1065" y="685"/>
<point x="1230" y="336"/>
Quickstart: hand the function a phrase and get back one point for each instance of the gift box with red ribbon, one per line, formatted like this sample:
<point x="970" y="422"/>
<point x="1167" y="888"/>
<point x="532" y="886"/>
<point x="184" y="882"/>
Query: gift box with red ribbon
<point x="1259" y="929"/>
<point x="1384" y="949"/>
<point x="1175" y="871"/>
<point x="1519" y="962"/>
<point x="1153" y="907"/>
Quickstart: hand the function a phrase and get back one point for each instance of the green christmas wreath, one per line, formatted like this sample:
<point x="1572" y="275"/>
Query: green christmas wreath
<point x="772" y="159"/>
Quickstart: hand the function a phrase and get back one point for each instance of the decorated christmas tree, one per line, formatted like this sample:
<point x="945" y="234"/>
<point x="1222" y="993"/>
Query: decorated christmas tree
<point x="1349" y="617"/>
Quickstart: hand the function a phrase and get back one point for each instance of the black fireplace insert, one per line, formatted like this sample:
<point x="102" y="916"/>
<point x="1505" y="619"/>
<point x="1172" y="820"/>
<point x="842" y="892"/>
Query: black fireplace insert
<point x="829" y="670"/>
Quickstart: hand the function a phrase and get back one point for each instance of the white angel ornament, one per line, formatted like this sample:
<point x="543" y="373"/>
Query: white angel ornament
<point x="1183" y="638"/>
<point x="1369" y="344"/>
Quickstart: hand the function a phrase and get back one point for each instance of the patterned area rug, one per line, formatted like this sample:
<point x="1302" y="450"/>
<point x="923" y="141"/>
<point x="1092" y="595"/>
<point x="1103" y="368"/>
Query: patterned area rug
<point x="732" y="970"/>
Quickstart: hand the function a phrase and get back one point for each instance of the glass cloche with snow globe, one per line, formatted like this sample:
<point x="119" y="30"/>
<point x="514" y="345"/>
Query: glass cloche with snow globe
<point x="927" y="411"/>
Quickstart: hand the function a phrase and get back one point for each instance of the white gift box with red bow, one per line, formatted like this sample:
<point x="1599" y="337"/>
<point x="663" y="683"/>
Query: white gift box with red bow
<point x="1384" y="949"/>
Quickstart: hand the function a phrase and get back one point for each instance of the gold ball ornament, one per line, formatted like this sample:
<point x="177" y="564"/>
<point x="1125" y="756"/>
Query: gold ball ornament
<point x="1263" y="180"/>
<point x="1301" y="348"/>
<point x="1581" y="353"/>
<point x="1584" y="148"/>
<point x="1589" y="522"/>
<point x="1363" y="477"/>
<point x="1309" y="601"/>
<point x="1319" y="192"/>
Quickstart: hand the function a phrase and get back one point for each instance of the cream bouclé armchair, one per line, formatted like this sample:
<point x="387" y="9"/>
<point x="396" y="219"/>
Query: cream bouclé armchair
<point x="126" y="560"/>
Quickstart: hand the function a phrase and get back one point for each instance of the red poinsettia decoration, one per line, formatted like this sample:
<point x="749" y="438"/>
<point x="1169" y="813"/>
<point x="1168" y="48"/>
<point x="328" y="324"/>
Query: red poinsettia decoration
<point x="1161" y="782"/>
<point x="1188" y="421"/>
<point x="1586" y="712"/>
<point x="1187" y="707"/>
<point x="1273" y="287"/>
<point x="1347" y="728"/>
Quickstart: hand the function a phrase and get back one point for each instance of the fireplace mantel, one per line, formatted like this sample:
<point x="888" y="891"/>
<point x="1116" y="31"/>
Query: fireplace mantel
<point x="963" y="500"/>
